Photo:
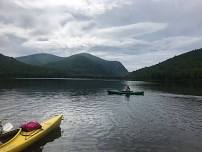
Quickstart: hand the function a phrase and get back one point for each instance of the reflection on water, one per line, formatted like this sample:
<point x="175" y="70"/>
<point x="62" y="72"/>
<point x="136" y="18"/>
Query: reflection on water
<point x="164" y="119"/>
<point x="38" y="146"/>
<point x="71" y="86"/>
<point x="186" y="88"/>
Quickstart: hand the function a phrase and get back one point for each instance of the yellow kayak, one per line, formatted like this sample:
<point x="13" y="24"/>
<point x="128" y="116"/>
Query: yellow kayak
<point x="18" y="140"/>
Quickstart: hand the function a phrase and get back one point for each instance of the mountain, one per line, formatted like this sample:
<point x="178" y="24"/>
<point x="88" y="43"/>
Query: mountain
<point x="80" y="65"/>
<point x="12" y="68"/>
<point x="187" y="66"/>
<point x="88" y="65"/>
<point x="39" y="59"/>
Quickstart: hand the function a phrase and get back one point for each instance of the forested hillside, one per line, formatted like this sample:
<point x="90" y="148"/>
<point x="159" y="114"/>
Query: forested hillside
<point x="182" y="67"/>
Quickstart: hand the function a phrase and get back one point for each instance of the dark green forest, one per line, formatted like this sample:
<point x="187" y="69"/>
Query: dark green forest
<point x="84" y="64"/>
<point x="187" y="66"/>
<point x="11" y="68"/>
<point x="45" y="65"/>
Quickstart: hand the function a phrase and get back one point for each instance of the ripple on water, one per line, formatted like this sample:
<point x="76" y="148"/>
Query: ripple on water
<point x="95" y="121"/>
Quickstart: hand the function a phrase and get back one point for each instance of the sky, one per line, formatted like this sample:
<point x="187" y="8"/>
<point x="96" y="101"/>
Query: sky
<point x="138" y="33"/>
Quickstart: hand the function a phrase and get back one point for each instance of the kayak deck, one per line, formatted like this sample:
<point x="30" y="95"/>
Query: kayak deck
<point x="24" y="139"/>
<point x="117" y="92"/>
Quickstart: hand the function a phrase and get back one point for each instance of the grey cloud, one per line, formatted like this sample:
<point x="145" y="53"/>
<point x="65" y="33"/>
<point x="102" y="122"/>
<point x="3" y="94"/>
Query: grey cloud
<point x="9" y="45"/>
<point x="137" y="32"/>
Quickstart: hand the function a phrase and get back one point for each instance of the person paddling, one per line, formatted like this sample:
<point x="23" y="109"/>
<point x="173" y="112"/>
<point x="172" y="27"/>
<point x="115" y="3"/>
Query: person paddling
<point x="127" y="88"/>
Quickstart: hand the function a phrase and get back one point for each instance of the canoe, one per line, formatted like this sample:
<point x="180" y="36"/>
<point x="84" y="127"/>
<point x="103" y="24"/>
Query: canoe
<point x="18" y="140"/>
<point x="125" y="92"/>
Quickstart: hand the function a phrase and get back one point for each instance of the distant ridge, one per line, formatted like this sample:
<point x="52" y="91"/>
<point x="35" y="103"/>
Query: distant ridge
<point x="89" y="65"/>
<point x="39" y="59"/>
<point x="11" y="68"/>
<point x="82" y="65"/>
<point x="187" y="66"/>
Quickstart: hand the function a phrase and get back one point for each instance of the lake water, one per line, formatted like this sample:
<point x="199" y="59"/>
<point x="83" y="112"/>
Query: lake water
<point x="168" y="118"/>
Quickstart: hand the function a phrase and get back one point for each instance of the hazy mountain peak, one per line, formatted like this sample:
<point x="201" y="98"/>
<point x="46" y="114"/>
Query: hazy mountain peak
<point x="90" y="65"/>
<point x="39" y="59"/>
<point x="82" y="64"/>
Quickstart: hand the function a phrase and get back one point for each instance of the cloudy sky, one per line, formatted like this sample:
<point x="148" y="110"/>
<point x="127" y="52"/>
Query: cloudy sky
<point x="138" y="33"/>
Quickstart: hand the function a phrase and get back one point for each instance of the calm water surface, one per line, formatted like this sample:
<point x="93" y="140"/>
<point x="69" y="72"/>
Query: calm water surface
<point x="165" y="119"/>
